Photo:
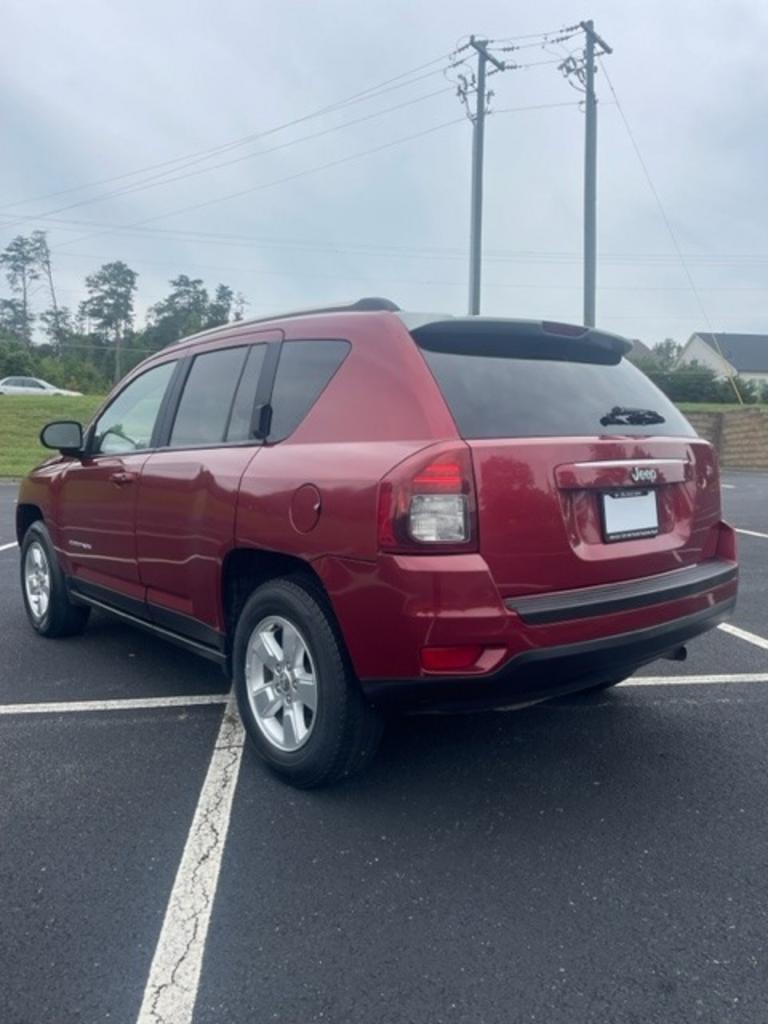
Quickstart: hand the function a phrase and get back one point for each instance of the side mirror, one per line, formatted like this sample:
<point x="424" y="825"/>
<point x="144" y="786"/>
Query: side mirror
<point x="65" y="436"/>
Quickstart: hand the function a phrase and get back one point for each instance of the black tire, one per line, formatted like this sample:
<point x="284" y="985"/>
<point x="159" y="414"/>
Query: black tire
<point x="61" y="617"/>
<point x="345" y="729"/>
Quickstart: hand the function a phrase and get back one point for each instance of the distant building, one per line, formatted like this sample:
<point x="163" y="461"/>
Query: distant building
<point x="745" y="355"/>
<point x="639" y="351"/>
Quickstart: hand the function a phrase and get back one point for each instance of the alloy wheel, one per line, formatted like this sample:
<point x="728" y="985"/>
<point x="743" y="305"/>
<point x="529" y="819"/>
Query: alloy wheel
<point x="281" y="683"/>
<point x="37" y="580"/>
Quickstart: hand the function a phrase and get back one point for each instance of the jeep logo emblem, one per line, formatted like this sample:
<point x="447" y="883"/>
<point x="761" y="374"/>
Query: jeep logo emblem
<point x="646" y="476"/>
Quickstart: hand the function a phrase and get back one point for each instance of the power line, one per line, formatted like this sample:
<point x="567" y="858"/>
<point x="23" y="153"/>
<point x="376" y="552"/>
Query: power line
<point x="573" y="29"/>
<point x="165" y="180"/>
<point x="540" y="44"/>
<point x="271" y="184"/>
<point x="538" y="106"/>
<point x="279" y="181"/>
<point x="141" y="225"/>
<point x="388" y="85"/>
<point x="668" y="225"/>
<point x="533" y="64"/>
<point x="711" y="259"/>
<point x="391" y="280"/>
<point x="168" y="177"/>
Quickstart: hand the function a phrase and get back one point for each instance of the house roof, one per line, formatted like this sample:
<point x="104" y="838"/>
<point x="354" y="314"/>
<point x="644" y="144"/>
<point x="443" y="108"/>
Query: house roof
<point x="747" y="353"/>
<point x="640" y="350"/>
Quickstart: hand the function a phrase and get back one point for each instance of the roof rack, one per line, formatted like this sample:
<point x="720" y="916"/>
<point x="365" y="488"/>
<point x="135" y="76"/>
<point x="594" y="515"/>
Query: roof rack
<point x="367" y="304"/>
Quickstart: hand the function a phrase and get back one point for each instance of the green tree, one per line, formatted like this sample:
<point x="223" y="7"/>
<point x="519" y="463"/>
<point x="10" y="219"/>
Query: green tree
<point x="183" y="312"/>
<point x="187" y="309"/>
<point x="16" y="359"/>
<point x="54" y="324"/>
<point x="13" y="321"/>
<point x="20" y="262"/>
<point x="666" y="354"/>
<point x="692" y="382"/>
<point x="59" y="327"/>
<point x="71" y="371"/>
<point x="240" y="302"/>
<point x="109" y="306"/>
<point x="220" y="310"/>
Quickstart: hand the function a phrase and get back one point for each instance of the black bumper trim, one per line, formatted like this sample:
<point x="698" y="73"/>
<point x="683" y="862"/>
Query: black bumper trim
<point x="616" y="597"/>
<point x="547" y="672"/>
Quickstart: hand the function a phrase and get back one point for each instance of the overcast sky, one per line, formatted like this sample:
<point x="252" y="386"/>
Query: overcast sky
<point x="95" y="89"/>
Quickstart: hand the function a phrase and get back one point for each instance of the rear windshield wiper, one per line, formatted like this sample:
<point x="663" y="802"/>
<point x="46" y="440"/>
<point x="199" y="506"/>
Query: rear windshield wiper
<point x="631" y="417"/>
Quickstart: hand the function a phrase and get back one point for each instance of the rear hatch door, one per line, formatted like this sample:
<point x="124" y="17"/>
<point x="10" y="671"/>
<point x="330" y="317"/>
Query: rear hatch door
<point x="585" y="472"/>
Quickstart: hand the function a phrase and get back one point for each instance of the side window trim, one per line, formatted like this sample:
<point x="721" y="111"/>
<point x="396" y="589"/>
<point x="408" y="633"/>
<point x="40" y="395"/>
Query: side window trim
<point x="248" y="357"/>
<point x="164" y="425"/>
<point x="262" y="406"/>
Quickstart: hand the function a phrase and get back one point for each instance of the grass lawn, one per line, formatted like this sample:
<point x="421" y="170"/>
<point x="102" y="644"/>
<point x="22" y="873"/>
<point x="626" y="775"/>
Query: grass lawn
<point x="22" y="417"/>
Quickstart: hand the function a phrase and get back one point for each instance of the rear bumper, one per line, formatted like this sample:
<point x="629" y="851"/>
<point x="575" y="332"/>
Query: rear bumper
<point x="617" y="597"/>
<point x="536" y="647"/>
<point x="543" y="673"/>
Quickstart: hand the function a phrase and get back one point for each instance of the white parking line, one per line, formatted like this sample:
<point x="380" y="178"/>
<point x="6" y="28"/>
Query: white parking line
<point x="127" y="704"/>
<point x="751" y="533"/>
<point x="743" y="634"/>
<point x="744" y="677"/>
<point x="7" y="547"/>
<point x="174" y="977"/>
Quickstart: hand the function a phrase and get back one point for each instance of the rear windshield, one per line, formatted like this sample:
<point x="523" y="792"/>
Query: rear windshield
<point x="517" y="387"/>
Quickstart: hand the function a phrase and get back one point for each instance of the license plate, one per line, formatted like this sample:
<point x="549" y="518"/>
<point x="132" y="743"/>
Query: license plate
<point x="628" y="515"/>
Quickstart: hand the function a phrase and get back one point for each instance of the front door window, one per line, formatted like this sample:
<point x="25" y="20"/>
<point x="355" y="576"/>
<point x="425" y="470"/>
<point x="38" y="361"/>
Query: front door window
<point x="128" y="423"/>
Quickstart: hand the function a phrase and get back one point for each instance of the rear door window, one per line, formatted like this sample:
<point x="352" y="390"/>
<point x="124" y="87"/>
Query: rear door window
<point x="518" y="387"/>
<point x="303" y="373"/>
<point x="206" y="402"/>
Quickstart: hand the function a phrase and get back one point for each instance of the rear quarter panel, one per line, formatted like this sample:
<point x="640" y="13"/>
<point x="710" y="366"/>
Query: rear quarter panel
<point x="381" y="406"/>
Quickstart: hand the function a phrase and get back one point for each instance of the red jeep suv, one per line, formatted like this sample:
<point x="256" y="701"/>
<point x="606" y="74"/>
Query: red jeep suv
<point x="358" y="508"/>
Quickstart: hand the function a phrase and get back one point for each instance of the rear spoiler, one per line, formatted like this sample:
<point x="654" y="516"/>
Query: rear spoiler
<point x="536" y="339"/>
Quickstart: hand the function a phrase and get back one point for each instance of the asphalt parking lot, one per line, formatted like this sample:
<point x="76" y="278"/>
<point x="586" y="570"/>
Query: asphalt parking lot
<point x="597" y="859"/>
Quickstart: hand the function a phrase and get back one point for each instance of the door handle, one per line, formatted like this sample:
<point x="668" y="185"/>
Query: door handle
<point x="121" y="478"/>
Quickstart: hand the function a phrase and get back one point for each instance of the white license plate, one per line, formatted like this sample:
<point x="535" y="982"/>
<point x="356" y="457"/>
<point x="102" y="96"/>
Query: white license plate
<point x="630" y="514"/>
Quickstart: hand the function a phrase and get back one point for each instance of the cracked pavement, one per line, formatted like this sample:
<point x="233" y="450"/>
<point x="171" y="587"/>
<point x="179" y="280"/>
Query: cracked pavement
<point x="172" y="986"/>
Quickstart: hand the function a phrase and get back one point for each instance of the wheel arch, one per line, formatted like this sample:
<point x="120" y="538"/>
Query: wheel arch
<point x="26" y="515"/>
<point x="244" y="569"/>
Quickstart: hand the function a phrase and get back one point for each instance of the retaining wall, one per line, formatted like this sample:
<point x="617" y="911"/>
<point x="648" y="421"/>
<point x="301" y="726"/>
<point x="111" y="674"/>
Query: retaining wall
<point x="740" y="436"/>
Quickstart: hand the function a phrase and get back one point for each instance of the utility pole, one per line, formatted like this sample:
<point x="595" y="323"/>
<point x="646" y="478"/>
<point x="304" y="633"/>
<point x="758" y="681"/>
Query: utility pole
<point x="590" y="180"/>
<point x="586" y="75"/>
<point x="590" y="171"/>
<point x="478" y="141"/>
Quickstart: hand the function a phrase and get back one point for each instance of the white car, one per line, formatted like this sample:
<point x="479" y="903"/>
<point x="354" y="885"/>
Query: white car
<point x="31" y="386"/>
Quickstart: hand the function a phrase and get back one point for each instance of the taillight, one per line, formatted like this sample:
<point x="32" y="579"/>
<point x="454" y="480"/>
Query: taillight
<point x="428" y="502"/>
